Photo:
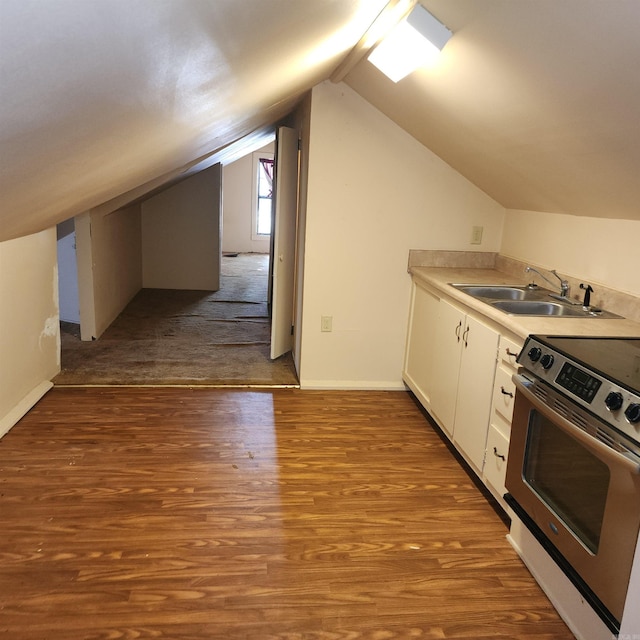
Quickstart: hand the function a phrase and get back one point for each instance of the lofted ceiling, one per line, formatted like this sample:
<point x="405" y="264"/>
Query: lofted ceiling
<point x="535" y="101"/>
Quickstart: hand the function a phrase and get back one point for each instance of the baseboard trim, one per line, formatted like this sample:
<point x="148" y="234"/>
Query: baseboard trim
<point x="13" y="417"/>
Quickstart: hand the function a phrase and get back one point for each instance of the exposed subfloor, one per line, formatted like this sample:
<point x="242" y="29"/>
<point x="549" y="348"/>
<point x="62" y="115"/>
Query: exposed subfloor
<point x="168" y="337"/>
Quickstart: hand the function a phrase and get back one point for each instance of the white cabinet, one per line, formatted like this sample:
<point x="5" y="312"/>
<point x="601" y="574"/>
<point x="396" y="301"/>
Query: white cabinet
<point x="418" y="369"/>
<point x="504" y="392"/>
<point x="495" y="465"/>
<point x="464" y="362"/>
<point x="460" y="369"/>
<point x="447" y="354"/>
<point x="473" y="406"/>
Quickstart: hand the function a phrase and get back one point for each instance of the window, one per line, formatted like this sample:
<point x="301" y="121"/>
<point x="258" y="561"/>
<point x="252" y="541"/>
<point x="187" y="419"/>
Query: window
<point x="264" y="194"/>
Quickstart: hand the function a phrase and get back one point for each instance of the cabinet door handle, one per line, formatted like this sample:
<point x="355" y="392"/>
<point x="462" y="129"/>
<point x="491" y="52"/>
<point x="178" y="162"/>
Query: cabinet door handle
<point x="458" y="330"/>
<point x="510" y="353"/>
<point x="465" y="335"/>
<point x="498" y="455"/>
<point x="506" y="393"/>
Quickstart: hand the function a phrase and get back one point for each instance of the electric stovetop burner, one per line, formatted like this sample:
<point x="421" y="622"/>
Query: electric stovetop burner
<point x="616" y="359"/>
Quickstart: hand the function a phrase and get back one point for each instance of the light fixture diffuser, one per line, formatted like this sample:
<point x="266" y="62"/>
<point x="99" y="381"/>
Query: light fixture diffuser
<point x="413" y="43"/>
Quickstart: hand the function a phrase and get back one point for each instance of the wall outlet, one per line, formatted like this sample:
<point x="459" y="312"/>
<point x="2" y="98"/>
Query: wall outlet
<point x="476" y="235"/>
<point x="326" y="323"/>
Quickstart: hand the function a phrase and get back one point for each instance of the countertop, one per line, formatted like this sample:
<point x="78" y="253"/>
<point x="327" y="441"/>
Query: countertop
<point x="439" y="279"/>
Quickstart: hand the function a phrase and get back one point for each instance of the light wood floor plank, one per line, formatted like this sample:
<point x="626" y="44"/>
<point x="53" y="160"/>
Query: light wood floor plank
<point x="253" y="515"/>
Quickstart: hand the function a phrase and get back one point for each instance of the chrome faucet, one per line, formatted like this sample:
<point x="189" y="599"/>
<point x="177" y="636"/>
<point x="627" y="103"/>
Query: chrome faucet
<point x="564" y="284"/>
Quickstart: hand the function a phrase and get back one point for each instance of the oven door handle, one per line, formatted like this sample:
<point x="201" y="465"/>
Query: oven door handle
<point x="603" y="451"/>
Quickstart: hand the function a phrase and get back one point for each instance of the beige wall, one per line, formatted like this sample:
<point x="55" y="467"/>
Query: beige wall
<point x="598" y="250"/>
<point x="374" y="192"/>
<point x="181" y="234"/>
<point x="109" y="266"/>
<point x="238" y="185"/>
<point x="29" y="323"/>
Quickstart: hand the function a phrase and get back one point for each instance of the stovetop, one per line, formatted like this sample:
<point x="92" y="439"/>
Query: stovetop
<point x="617" y="359"/>
<point x="600" y="374"/>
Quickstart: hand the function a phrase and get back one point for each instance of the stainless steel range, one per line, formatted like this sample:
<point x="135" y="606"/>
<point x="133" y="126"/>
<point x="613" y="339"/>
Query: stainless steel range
<point x="573" y="473"/>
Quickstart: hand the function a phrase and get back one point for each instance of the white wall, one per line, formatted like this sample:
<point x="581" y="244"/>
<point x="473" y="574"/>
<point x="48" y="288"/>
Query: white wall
<point x="181" y="234"/>
<point x="238" y="199"/>
<point x="374" y="192"/>
<point x="599" y="250"/>
<point x="109" y="266"/>
<point x="117" y="262"/>
<point x="29" y="323"/>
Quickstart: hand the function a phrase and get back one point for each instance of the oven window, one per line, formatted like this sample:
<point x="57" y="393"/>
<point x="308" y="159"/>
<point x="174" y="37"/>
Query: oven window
<point x="568" y="478"/>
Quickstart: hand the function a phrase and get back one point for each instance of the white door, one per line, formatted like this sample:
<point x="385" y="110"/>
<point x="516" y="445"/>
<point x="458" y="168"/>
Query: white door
<point x="68" y="296"/>
<point x="284" y="240"/>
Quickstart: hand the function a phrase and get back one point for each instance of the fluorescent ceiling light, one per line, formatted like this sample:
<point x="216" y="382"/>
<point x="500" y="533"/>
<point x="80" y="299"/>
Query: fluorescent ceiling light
<point x="413" y="43"/>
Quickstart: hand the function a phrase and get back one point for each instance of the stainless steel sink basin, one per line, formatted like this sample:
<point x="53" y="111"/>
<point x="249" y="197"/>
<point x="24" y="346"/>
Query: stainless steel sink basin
<point x="524" y="301"/>
<point x="539" y="308"/>
<point x="495" y="292"/>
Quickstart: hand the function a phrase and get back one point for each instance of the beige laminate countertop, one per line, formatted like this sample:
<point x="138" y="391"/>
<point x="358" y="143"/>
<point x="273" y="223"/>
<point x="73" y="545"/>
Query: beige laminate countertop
<point x="439" y="279"/>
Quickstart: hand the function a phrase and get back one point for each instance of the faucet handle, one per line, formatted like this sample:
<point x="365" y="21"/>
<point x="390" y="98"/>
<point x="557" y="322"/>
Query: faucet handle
<point x="564" y="284"/>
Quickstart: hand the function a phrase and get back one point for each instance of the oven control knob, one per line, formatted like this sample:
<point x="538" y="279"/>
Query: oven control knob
<point x="613" y="401"/>
<point x="534" y="354"/>
<point x="632" y="412"/>
<point x="546" y="361"/>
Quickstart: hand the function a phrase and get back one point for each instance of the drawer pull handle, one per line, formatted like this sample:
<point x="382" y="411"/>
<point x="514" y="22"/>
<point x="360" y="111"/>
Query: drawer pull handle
<point x="458" y="330"/>
<point x="498" y="455"/>
<point x="506" y="393"/>
<point x="510" y="353"/>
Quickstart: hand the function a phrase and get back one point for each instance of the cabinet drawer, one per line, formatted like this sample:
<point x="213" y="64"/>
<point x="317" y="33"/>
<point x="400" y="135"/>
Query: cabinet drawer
<point x="509" y="351"/>
<point x="495" y="466"/>
<point x="504" y="392"/>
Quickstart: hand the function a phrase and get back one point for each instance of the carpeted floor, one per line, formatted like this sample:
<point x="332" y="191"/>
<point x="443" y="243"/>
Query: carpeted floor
<point x="167" y="337"/>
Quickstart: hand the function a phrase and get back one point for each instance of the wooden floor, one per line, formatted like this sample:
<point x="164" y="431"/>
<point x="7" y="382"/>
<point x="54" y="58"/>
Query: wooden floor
<point x="198" y="514"/>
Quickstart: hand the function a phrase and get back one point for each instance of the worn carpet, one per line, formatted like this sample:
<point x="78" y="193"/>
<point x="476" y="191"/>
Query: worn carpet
<point x="168" y="337"/>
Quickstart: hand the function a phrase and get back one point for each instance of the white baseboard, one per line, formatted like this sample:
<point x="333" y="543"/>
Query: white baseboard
<point x="15" y="414"/>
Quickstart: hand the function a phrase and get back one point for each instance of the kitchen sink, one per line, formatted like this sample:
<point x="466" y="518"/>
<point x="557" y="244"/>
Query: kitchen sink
<point x="497" y="292"/>
<point x="539" y="308"/>
<point x="523" y="300"/>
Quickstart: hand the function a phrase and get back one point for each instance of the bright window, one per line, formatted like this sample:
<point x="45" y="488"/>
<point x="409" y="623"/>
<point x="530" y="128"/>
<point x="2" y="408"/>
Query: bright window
<point x="264" y="204"/>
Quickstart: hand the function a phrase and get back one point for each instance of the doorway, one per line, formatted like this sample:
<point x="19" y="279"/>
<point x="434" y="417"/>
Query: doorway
<point x="167" y="336"/>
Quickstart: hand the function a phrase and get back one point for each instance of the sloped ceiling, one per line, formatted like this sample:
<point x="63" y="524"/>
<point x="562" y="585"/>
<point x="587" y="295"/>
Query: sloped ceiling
<point x="535" y="101"/>
<point x="102" y="96"/>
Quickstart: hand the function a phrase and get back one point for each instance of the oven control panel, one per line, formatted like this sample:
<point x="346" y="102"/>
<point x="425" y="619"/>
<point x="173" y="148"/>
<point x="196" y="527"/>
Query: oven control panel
<point x="579" y="382"/>
<point x="611" y="403"/>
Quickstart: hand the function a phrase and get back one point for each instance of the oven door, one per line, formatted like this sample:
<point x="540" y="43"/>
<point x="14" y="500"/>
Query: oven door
<point x="578" y="494"/>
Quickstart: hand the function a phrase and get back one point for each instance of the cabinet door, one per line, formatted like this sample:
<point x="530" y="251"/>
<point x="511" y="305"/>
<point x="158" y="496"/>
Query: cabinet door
<point x="446" y="364"/>
<point x="418" y="364"/>
<point x="475" y="389"/>
<point x="495" y="466"/>
<point x="504" y="393"/>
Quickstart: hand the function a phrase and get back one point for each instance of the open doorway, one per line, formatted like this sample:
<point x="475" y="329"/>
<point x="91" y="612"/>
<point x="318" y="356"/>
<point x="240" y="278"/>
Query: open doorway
<point x="182" y="336"/>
